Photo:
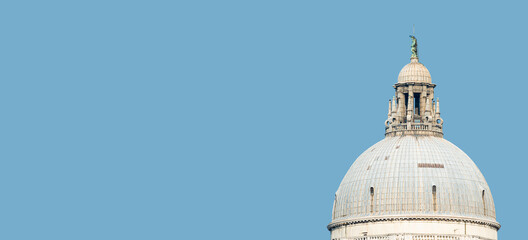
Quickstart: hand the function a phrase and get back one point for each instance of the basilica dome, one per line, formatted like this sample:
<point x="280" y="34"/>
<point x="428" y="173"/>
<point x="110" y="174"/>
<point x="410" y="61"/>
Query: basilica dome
<point x="413" y="184"/>
<point x="414" y="72"/>
<point x="416" y="177"/>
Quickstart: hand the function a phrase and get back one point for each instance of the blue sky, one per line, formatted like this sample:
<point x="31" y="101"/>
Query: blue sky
<point x="237" y="119"/>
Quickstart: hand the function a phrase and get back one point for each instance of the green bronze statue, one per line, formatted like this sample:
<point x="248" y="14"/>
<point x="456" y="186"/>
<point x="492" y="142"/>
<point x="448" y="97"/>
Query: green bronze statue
<point x="414" y="47"/>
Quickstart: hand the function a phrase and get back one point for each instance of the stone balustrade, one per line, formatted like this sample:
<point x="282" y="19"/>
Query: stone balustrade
<point x="426" y="129"/>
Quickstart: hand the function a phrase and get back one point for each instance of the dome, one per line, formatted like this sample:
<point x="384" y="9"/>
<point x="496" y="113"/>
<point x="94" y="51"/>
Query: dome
<point x="414" y="72"/>
<point x="414" y="176"/>
<point x="413" y="184"/>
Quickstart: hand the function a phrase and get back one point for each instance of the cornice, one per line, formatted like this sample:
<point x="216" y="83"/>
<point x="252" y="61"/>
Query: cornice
<point x="340" y="223"/>
<point x="405" y="84"/>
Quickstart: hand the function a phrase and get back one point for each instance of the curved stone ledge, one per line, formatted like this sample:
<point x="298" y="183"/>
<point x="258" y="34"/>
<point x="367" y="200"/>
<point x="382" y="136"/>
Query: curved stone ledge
<point x="336" y="224"/>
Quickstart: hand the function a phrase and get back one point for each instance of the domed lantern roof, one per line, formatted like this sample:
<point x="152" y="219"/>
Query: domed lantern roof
<point x="414" y="72"/>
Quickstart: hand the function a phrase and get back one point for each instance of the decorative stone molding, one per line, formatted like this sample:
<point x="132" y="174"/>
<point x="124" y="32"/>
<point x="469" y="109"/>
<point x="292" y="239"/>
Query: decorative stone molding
<point x="408" y="236"/>
<point x="422" y="129"/>
<point x="340" y="223"/>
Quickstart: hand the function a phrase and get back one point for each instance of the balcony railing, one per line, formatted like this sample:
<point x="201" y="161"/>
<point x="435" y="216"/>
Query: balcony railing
<point x="414" y="128"/>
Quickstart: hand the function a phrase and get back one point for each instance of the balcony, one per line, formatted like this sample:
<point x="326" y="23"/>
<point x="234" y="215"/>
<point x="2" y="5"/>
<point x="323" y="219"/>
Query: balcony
<point x="400" y="129"/>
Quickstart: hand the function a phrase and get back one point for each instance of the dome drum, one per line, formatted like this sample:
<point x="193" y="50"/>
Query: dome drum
<point x="415" y="229"/>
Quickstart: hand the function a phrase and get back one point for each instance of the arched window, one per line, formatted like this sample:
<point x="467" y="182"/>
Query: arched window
<point x="371" y="199"/>
<point x="434" y="198"/>
<point x="484" y="201"/>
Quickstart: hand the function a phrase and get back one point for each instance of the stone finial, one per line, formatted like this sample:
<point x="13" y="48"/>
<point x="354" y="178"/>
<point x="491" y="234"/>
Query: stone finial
<point x="433" y="104"/>
<point x="437" y="106"/>
<point x="394" y="105"/>
<point x="390" y="109"/>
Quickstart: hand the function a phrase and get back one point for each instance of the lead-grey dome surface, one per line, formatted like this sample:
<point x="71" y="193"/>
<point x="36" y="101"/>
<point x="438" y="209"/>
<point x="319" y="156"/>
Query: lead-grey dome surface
<point x="396" y="177"/>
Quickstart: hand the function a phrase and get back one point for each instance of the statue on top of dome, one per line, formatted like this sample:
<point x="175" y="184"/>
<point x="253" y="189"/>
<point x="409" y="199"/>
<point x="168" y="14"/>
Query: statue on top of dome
<point x="414" y="47"/>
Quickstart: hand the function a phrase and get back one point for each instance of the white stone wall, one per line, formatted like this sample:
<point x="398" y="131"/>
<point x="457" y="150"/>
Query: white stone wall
<point x="414" y="230"/>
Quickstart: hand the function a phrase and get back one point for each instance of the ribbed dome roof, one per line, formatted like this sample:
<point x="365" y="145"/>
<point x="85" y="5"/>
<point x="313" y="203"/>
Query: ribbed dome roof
<point x="414" y="72"/>
<point x="402" y="172"/>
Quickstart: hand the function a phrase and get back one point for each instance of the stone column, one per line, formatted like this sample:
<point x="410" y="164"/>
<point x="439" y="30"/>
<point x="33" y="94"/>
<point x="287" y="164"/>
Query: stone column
<point x="401" y="105"/>
<point x="423" y="97"/>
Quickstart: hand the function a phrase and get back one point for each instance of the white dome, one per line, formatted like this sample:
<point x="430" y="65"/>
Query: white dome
<point x="395" y="177"/>
<point x="414" y="72"/>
